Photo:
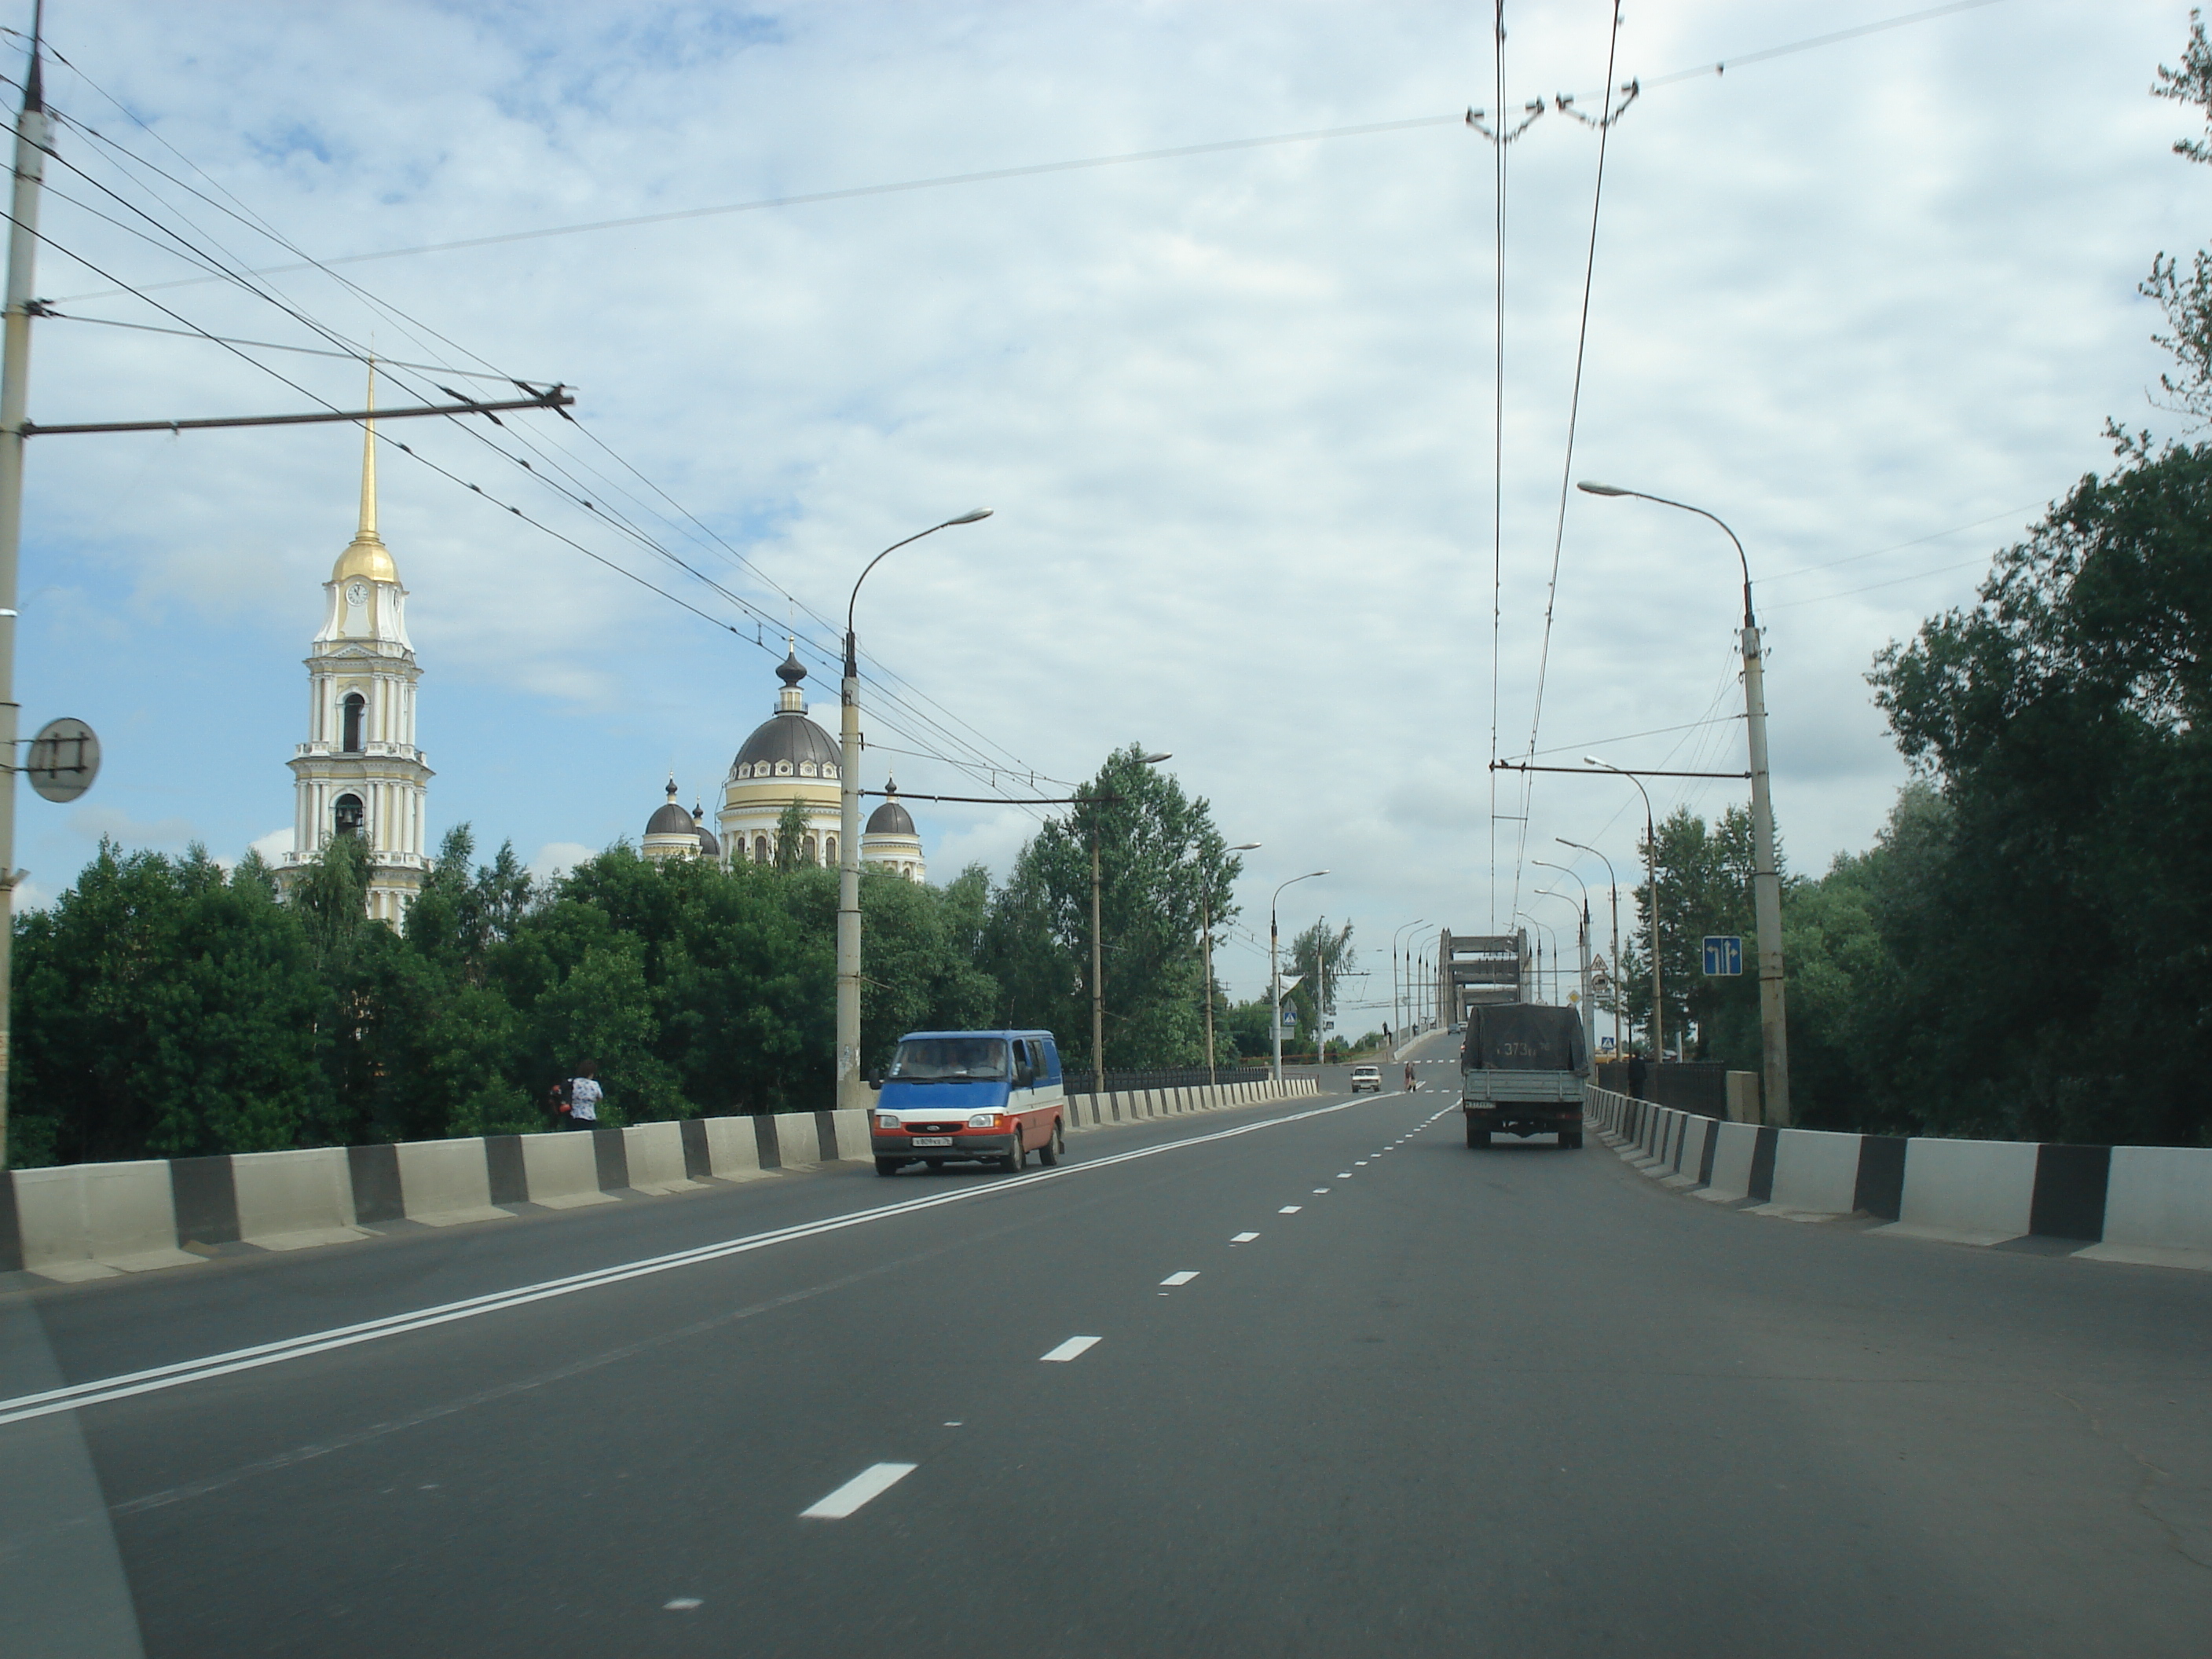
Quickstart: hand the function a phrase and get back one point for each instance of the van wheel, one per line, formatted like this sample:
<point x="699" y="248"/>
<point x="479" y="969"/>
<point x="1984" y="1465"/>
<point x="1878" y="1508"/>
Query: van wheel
<point x="1013" y="1161"/>
<point x="934" y="1163"/>
<point x="888" y="1166"/>
<point x="1055" y="1148"/>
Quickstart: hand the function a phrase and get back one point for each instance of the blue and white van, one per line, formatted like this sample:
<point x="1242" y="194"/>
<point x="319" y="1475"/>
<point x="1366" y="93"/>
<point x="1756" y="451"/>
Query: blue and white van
<point x="988" y="1097"/>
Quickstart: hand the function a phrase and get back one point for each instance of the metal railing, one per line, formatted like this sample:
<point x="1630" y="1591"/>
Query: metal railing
<point x="1181" y="1076"/>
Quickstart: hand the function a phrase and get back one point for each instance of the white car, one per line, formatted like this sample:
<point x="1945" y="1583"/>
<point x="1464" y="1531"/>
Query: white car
<point x="1367" y="1077"/>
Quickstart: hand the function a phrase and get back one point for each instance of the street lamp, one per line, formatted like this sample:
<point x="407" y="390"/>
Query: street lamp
<point x="1397" y="1018"/>
<point x="1581" y="937"/>
<point x="1652" y="865"/>
<point x="1546" y="927"/>
<point x="1205" y="931"/>
<point x="1274" y="971"/>
<point x="1614" y="893"/>
<point x="1098" y="951"/>
<point x="1765" y="871"/>
<point x="850" y="1091"/>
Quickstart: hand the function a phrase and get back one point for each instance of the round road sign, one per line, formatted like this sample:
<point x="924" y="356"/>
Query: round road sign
<point x="65" y="759"/>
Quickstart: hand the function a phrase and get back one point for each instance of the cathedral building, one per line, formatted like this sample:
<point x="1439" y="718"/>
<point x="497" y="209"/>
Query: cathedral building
<point x="789" y="758"/>
<point x="672" y="833"/>
<point x="359" y="772"/>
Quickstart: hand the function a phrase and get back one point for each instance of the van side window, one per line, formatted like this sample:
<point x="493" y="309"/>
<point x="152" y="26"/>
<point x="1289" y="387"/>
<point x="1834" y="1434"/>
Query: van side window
<point x="1025" y="1073"/>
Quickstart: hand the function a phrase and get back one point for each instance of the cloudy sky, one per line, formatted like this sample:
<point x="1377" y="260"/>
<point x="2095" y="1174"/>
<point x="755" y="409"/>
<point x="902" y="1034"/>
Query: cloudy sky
<point x="1871" y="303"/>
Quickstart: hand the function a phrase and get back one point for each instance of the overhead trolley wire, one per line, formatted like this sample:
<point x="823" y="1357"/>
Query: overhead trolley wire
<point x="1567" y="461"/>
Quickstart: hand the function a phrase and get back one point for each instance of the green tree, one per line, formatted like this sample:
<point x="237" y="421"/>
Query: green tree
<point x="1158" y="849"/>
<point x="1319" y="955"/>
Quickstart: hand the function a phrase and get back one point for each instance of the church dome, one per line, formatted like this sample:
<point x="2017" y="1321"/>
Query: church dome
<point x="670" y="820"/>
<point x="787" y="745"/>
<point x="366" y="556"/>
<point x="890" y="818"/>
<point x="710" y="846"/>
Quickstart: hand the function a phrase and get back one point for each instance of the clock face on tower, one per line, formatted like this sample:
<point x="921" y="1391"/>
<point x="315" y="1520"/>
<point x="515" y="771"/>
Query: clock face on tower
<point x="357" y="592"/>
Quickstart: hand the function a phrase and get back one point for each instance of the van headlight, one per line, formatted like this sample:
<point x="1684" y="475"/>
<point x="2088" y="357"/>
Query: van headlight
<point x="983" y="1120"/>
<point x="887" y="1119"/>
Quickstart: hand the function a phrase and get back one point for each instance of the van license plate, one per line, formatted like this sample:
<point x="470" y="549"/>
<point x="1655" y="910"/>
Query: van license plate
<point x="933" y="1140"/>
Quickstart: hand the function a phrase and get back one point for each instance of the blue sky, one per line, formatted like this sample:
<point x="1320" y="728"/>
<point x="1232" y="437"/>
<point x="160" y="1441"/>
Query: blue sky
<point x="1871" y="303"/>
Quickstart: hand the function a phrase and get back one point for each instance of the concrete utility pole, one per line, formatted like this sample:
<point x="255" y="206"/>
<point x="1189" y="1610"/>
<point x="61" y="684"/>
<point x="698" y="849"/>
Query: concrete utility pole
<point x="1275" y="971"/>
<point x="851" y="1089"/>
<point x="32" y="137"/>
<point x="1205" y="932"/>
<point x="1765" y="868"/>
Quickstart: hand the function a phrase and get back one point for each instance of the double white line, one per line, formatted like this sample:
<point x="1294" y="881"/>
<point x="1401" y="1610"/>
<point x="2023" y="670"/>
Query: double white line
<point x="159" y="1377"/>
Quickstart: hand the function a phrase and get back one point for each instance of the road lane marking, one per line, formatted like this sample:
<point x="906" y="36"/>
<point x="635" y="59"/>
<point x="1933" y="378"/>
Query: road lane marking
<point x="865" y="1487"/>
<point x="1070" y="1348"/>
<point x="1243" y="1239"/>
<point x="1344" y="1174"/>
<point x="209" y="1366"/>
<point x="1318" y="1191"/>
<point x="1183" y="1278"/>
<point x="683" y="1604"/>
<point x="1289" y="1209"/>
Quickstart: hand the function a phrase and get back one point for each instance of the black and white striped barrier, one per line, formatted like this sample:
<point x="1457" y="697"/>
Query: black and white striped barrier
<point x="2148" y="1204"/>
<point x="91" y="1220"/>
<point x="83" y="1221"/>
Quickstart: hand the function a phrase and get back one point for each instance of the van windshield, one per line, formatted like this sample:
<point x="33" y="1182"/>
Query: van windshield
<point x="937" y="1059"/>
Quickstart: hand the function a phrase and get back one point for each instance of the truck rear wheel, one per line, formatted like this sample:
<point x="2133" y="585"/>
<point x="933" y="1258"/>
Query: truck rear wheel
<point x="1476" y="1137"/>
<point x="1571" y="1140"/>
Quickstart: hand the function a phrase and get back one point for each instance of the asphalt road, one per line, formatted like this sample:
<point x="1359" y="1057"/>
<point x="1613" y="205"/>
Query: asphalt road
<point x="1412" y="1400"/>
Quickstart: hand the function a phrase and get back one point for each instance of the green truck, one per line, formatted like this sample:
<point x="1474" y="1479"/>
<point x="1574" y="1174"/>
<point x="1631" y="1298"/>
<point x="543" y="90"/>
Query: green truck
<point x="1522" y="1070"/>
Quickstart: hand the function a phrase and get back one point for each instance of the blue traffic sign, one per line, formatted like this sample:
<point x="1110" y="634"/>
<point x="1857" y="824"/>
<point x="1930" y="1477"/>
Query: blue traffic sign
<point x="1723" y="955"/>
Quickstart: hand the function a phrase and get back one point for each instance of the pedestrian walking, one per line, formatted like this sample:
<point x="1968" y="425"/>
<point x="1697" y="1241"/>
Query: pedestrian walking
<point x="1409" y="1077"/>
<point x="584" y="1097"/>
<point x="1636" y="1073"/>
<point x="556" y="1104"/>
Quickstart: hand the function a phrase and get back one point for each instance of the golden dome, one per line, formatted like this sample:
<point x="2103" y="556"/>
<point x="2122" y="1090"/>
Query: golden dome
<point x="366" y="556"/>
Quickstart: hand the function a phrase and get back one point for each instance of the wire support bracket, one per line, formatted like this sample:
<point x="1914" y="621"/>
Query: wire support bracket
<point x="556" y="399"/>
<point x="1610" y="771"/>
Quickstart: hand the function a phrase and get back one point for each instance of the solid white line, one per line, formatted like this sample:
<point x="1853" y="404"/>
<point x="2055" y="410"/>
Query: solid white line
<point x="160" y="1377"/>
<point x="1289" y="1209"/>
<point x="1243" y="1239"/>
<point x="1069" y="1349"/>
<point x="869" y="1484"/>
<point x="1172" y="1279"/>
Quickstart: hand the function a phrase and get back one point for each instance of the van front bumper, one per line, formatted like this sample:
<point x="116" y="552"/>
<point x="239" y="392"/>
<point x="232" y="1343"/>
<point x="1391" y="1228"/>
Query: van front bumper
<point x="997" y="1145"/>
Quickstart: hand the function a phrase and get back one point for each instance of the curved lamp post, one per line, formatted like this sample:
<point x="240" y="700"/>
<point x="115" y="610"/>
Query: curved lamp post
<point x="850" y="1090"/>
<point x="1275" y="974"/>
<point x="1395" y="934"/>
<point x="1581" y="937"/>
<point x="1765" y="871"/>
<point x="1614" y="894"/>
<point x="1205" y="932"/>
<point x="1652" y="865"/>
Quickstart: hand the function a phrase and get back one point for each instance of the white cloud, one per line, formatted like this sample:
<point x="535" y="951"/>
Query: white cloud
<point x="557" y="858"/>
<point x="275" y="845"/>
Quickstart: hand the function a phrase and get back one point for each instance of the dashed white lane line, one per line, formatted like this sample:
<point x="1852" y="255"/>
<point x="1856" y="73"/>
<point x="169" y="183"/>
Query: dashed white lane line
<point x="682" y="1604"/>
<point x="1318" y="1191"/>
<point x="1070" y="1349"/>
<point x="865" y="1487"/>
<point x="1183" y="1278"/>
<point x="1290" y="1209"/>
<point x="1243" y="1239"/>
<point x="1344" y="1174"/>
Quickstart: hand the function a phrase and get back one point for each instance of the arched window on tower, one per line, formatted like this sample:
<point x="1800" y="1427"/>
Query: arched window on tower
<point x="760" y="849"/>
<point x="810" y="849"/>
<point x="346" y="815"/>
<point x="355" y="706"/>
<point x="829" y="849"/>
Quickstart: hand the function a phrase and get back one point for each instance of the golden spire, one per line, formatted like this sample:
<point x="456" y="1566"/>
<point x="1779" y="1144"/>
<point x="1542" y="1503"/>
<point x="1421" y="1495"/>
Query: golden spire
<point x="367" y="555"/>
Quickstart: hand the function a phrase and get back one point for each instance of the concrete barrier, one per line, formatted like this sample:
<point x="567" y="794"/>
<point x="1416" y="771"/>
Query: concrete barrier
<point x="1815" y="1175"/>
<point x="295" y="1201"/>
<point x="95" y="1220"/>
<point x="1729" y="1178"/>
<point x="2158" y="1207"/>
<point x="443" y="1184"/>
<point x="1975" y="1192"/>
<point x="653" y="1153"/>
<point x="561" y="1171"/>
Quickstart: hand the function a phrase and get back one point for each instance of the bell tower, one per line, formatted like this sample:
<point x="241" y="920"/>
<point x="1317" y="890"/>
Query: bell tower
<point x="359" y="773"/>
